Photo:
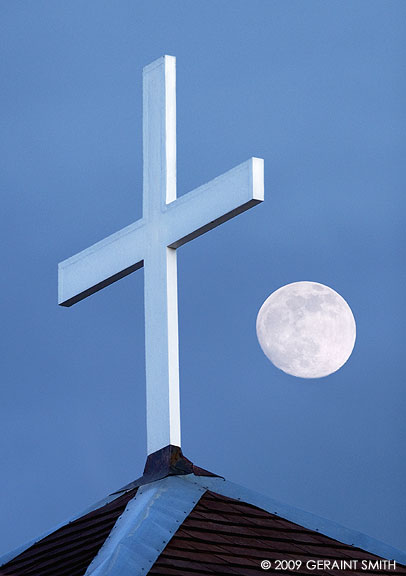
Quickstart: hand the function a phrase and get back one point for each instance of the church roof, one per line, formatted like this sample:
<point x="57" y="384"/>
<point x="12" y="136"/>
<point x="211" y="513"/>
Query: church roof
<point x="193" y="524"/>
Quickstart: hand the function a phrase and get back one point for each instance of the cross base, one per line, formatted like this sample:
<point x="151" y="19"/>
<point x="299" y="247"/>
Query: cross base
<point x="168" y="461"/>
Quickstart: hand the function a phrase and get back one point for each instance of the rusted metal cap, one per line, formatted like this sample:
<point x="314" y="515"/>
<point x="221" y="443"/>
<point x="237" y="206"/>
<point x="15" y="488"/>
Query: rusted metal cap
<point x="168" y="461"/>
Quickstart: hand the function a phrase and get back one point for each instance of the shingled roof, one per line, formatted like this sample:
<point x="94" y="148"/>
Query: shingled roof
<point x="190" y="523"/>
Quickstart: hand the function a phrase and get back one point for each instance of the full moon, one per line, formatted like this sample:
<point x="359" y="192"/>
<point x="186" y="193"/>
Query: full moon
<point x="306" y="329"/>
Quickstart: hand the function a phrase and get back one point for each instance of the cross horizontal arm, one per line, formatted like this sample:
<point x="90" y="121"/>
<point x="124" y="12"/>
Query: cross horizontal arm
<point x="185" y="218"/>
<point x="102" y="264"/>
<point x="215" y="202"/>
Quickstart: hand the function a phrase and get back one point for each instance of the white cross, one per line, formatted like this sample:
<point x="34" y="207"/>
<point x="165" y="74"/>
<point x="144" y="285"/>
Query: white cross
<point x="168" y="222"/>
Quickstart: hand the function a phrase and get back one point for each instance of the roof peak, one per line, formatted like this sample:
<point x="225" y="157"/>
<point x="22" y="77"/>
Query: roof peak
<point x="156" y="522"/>
<point x="168" y="461"/>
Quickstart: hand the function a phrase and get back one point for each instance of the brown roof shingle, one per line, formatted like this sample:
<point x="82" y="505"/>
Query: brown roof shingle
<point x="225" y="536"/>
<point x="69" y="550"/>
<point x="221" y="536"/>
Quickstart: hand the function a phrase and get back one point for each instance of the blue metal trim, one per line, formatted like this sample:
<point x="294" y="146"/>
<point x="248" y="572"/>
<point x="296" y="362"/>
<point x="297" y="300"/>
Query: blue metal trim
<point x="8" y="556"/>
<point x="305" y="519"/>
<point x="146" y="526"/>
<point x="158" y="509"/>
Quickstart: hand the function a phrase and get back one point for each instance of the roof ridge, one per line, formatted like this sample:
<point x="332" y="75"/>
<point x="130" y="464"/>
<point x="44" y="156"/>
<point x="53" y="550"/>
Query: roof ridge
<point x="10" y="555"/>
<point x="301" y="517"/>
<point x="147" y="524"/>
<point x="140" y="532"/>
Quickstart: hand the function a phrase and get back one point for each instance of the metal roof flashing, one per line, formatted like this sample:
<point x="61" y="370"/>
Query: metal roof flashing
<point x="306" y="519"/>
<point x="8" y="556"/>
<point x="156" y="510"/>
<point x="148" y="523"/>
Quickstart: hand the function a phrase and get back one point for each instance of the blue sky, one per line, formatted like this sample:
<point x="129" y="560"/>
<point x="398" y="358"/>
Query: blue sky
<point x="315" y="88"/>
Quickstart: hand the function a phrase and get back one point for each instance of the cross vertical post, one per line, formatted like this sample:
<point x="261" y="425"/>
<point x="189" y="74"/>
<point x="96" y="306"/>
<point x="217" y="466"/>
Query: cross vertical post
<point x="160" y="272"/>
